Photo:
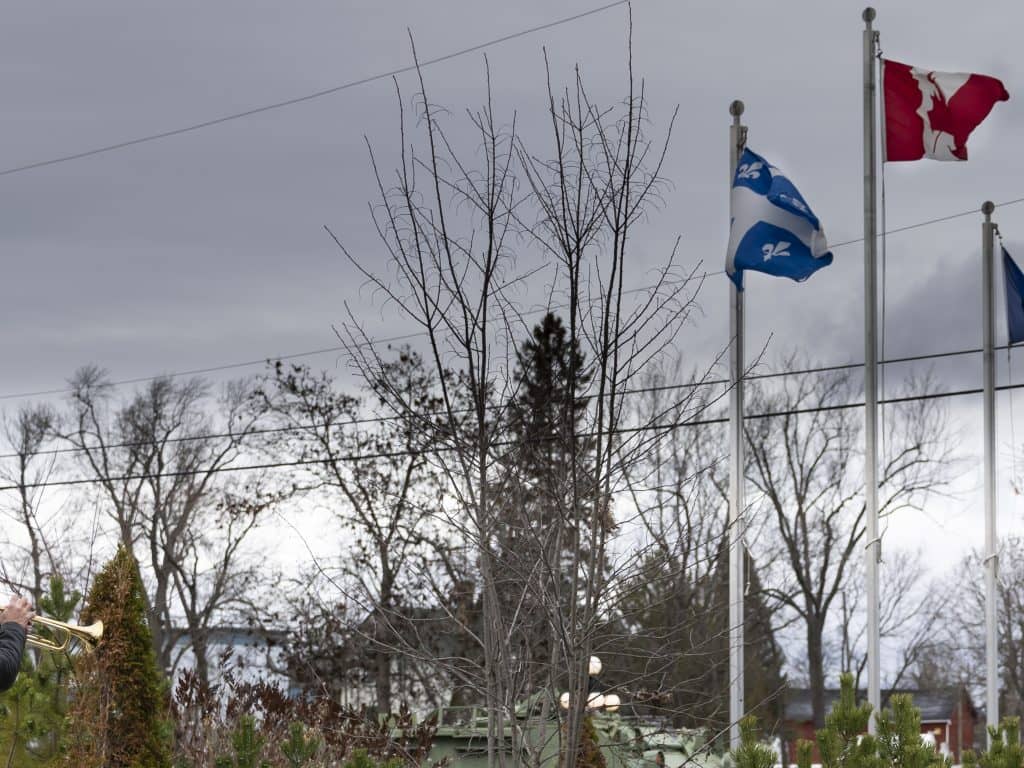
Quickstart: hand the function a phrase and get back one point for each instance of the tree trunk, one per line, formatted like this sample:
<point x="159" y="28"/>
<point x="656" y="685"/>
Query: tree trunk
<point x="163" y="647"/>
<point x="816" y="669"/>
<point x="382" y="677"/>
<point x="34" y="545"/>
<point x="200" y="650"/>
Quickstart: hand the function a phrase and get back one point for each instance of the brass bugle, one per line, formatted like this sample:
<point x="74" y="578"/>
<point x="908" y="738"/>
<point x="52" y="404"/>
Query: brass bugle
<point x="89" y="636"/>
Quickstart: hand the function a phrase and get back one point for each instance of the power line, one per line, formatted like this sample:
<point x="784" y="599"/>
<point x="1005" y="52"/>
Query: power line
<point x="625" y="392"/>
<point x="402" y="453"/>
<point x="420" y="334"/>
<point x="308" y="96"/>
<point x="340" y="348"/>
<point x="929" y="222"/>
<point x="213" y="369"/>
<point x="332" y="425"/>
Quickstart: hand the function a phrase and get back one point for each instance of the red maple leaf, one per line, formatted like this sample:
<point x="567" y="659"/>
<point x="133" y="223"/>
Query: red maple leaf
<point x="942" y="121"/>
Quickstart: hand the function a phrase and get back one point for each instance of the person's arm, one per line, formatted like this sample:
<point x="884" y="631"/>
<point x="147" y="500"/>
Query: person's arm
<point x="14" y="622"/>
<point x="12" y="645"/>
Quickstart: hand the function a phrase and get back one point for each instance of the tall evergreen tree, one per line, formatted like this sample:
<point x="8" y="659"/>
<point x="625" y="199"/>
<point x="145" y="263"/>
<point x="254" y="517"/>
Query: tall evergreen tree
<point x="546" y="490"/>
<point x="546" y="411"/>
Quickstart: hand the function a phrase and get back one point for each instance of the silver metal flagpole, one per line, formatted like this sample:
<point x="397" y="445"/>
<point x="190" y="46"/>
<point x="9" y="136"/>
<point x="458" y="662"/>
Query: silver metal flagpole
<point x="737" y="140"/>
<point x="991" y="557"/>
<point x="872" y="550"/>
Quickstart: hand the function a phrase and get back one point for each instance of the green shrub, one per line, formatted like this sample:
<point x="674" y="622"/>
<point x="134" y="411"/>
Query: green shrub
<point x="248" y="747"/>
<point x="844" y="742"/>
<point x="33" y="712"/>
<point x="751" y="753"/>
<point x="899" y="737"/>
<point x="1005" y="750"/>
<point x="841" y="742"/>
<point x="299" y="749"/>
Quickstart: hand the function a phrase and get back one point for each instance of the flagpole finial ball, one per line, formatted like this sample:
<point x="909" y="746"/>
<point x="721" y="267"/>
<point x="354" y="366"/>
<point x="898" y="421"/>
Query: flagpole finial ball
<point x="736" y="108"/>
<point x="869" y="14"/>
<point x="988" y="207"/>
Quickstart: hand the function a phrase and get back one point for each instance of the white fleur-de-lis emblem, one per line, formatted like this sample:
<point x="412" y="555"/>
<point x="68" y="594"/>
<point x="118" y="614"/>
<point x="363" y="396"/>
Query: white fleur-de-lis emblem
<point x="771" y="250"/>
<point x="750" y="170"/>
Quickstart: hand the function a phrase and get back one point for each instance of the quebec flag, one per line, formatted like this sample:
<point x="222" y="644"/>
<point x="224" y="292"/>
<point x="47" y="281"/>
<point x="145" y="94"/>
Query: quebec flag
<point x="773" y="229"/>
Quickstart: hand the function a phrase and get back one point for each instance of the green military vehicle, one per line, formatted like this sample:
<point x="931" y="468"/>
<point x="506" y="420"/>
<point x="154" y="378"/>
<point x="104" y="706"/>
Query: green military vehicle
<point x="625" y="743"/>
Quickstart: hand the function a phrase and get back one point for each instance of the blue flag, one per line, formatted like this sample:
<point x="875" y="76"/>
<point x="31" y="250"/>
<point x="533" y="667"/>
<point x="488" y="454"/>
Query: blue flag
<point x="1014" y="281"/>
<point x="773" y="229"/>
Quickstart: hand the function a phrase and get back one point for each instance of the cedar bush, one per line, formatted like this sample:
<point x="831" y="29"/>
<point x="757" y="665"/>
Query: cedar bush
<point x="119" y="715"/>
<point x="589" y="753"/>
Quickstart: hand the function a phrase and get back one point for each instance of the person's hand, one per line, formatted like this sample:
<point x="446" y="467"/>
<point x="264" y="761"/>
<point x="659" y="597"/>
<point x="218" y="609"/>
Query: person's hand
<point x="19" y="610"/>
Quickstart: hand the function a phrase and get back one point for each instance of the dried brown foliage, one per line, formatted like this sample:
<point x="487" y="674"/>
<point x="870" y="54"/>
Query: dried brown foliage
<point x="206" y="717"/>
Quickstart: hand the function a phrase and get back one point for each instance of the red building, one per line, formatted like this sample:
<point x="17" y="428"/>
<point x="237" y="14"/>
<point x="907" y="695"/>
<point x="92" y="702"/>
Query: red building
<point x="948" y="717"/>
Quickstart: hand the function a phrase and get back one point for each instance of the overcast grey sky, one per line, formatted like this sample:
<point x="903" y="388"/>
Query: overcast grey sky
<point x="208" y="248"/>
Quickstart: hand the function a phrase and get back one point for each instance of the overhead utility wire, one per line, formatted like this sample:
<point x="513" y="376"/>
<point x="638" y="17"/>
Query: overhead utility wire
<point x="340" y="348"/>
<point x="919" y="224"/>
<point x="418" y="334"/>
<point x="212" y="369"/>
<point x="397" y="454"/>
<point x="308" y="96"/>
<point x="382" y="419"/>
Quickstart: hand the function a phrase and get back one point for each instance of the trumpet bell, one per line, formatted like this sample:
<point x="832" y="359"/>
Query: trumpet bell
<point x="88" y="636"/>
<point x="94" y="630"/>
<point x="64" y="634"/>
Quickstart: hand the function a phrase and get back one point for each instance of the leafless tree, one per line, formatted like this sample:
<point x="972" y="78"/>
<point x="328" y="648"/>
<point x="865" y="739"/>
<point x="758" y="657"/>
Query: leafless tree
<point x="959" y="649"/>
<point x="1011" y="619"/>
<point x="676" y="611"/>
<point x="27" y="468"/>
<point x="375" y="477"/>
<point x="681" y="483"/>
<point x="808" y="473"/>
<point x="158" y="462"/>
<point x="457" y="231"/>
<point x="909" y="612"/>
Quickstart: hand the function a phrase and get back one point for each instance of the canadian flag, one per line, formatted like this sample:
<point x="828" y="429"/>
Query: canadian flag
<point x="931" y="114"/>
